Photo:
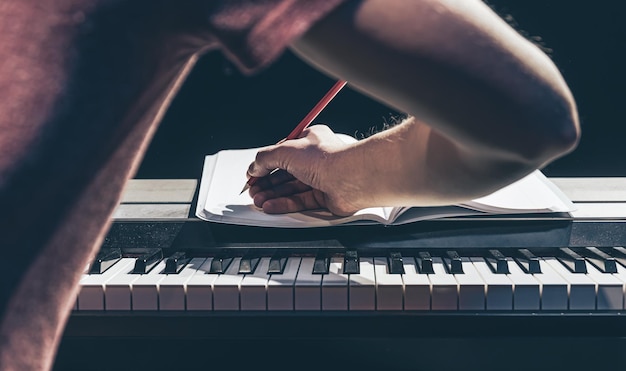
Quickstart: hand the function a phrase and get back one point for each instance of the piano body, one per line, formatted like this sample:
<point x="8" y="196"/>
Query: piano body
<point x="506" y="292"/>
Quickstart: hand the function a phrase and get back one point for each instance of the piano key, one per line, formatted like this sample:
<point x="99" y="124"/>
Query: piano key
<point x="395" y="263"/>
<point x="497" y="262"/>
<point x="471" y="287"/>
<point x="621" y="276"/>
<point x="248" y="264"/>
<point x="322" y="262"/>
<point x="416" y="286"/>
<point x="145" y="262"/>
<point x="335" y="286"/>
<point x="424" y="263"/>
<point x="220" y="263"/>
<point x="145" y="290"/>
<point x="172" y="288"/>
<point x="92" y="286"/>
<point x="601" y="260"/>
<point x="277" y="264"/>
<point x="444" y="287"/>
<point x="389" y="287"/>
<point x="609" y="289"/>
<point x="280" y="286"/>
<point x="226" y="287"/>
<point x="308" y="287"/>
<point x="85" y="272"/>
<point x="582" y="290"/>
<point x="453" y="262"/>
<point x="528" y="261"/>
<point x="554" y="288"/>
<point x="200" y="288"/>
<point x="105" y="260"/>
<point x="619" y="253"/>
<point x="351" y="262"/>
<point x="499" y="286"/>
<point x="253" y="288"/>
<point x="526" y="290"/>
<point x="118" y="290"/>
<point x="175" y="262"/>
<point x="574" y="262"/>
<point x="362" y="290"/>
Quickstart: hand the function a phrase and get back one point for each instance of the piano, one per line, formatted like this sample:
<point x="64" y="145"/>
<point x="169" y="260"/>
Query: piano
<point x="169" y="291"/>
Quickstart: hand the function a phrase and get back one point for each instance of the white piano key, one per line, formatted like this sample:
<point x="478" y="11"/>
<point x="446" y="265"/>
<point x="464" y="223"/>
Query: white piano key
<point x="389" y="287"/>
<point x="308" y="288"/>
<point x="118" y="290"/>
<point x="609" y="289"/>
<point x="471" y="287"/>
<point x="145" y="290"/>
<point x="253" y="288"/>
<point x="226" y="288"/>
<point x="582" y="290"/>
<point x="335" y="287"/>
<point x="499" y="286"/>
<point x="621" y="275"/>
<point x="280" y="287"/>
<point x="526" y="290"/>
<point x="554" y="288"/>
<point x="444" y="294"/>
<point x="172" y="288"/>
<point x="416" y="287"/>
<point x="200" y="288"/>
<point x="362" y="291"/>
<point x="92" y="286"/>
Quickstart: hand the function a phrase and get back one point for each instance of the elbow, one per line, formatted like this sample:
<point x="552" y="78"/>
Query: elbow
<point x="554" y="132"/>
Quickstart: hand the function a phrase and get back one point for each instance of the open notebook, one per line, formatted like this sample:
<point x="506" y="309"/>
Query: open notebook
<point x="224" y="175"/>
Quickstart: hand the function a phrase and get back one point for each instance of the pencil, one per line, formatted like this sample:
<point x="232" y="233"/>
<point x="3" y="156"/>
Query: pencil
<point x="306" y="121"/>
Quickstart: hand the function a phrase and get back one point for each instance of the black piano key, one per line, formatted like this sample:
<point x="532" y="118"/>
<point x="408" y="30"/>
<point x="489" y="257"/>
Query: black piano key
<point x="351" y="262"/>
<point x="497" y="262"/>
<point x="321" y="264"/>
<point x="572" y="261"/>
<point x="220" y="263"/>
<point x="146" y="261"/>
<point x="277" y="264"/>
<point x="424" y="263"/>
<point x="175" y="262"/>
<point x="453" y="262"/>
<point x="394" y="263"/>
<point x="601" y="260"/>
<point x="248" y="264"/>
<point x="619" y="253"/>
<point x="105" y="260"/>
<point x="528" y="261"/>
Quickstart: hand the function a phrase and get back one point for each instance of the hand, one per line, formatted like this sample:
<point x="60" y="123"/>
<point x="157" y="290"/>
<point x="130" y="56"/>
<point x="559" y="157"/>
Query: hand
<point x="307" y="178"/>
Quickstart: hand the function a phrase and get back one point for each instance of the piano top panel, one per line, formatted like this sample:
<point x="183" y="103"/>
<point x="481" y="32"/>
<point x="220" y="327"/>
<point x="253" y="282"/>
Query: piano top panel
<point x="161" y="213"/>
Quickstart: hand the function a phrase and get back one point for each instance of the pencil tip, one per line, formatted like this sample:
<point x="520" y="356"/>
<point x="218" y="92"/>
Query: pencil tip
<point x="245" y="188"/>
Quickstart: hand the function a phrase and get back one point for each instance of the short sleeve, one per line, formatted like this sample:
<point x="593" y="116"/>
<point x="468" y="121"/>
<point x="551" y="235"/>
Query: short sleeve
<point x="253" y="33"/>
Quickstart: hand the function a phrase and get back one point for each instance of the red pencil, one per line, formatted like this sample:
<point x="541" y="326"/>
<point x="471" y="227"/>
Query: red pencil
<point x="306" y="121"/>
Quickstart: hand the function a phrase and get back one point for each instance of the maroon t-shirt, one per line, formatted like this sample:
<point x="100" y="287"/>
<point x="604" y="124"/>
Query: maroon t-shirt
<point x="83" y="85"/>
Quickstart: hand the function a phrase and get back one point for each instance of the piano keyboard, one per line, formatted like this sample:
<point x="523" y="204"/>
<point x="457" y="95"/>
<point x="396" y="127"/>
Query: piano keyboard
<point x="438" y="280"/>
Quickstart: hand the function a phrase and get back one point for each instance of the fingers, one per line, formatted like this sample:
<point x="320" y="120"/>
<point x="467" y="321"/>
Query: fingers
<point x="307" y="200"/>
<point x="285" y="189"/>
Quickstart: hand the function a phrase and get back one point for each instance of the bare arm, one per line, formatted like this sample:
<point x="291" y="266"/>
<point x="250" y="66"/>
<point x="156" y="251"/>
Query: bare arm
<point x="488" y="106"/>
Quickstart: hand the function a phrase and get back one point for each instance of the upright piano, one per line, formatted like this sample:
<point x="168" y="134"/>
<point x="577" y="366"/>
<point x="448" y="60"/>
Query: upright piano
<point x="169" y="291"/>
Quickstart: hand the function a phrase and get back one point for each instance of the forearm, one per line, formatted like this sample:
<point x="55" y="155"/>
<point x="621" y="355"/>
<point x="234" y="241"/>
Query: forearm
<point x="412" y="164"/>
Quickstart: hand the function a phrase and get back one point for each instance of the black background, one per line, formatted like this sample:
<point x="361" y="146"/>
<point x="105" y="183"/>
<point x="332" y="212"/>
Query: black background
<point x="220" y="108"/>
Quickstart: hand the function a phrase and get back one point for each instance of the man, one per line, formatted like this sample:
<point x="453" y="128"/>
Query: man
<point x="84" y="84"/>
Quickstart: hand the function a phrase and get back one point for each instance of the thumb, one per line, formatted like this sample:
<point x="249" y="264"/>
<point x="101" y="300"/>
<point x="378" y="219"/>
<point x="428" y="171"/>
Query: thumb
<point x="269" y="159"/>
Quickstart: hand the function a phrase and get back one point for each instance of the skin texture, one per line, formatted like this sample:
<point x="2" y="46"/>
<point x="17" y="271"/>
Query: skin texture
<point x="487" y="107"/>
<point x="86" y="82"/>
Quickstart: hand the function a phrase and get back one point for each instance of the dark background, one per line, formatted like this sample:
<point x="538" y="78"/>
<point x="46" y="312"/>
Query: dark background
<point x="219" y="108"/>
